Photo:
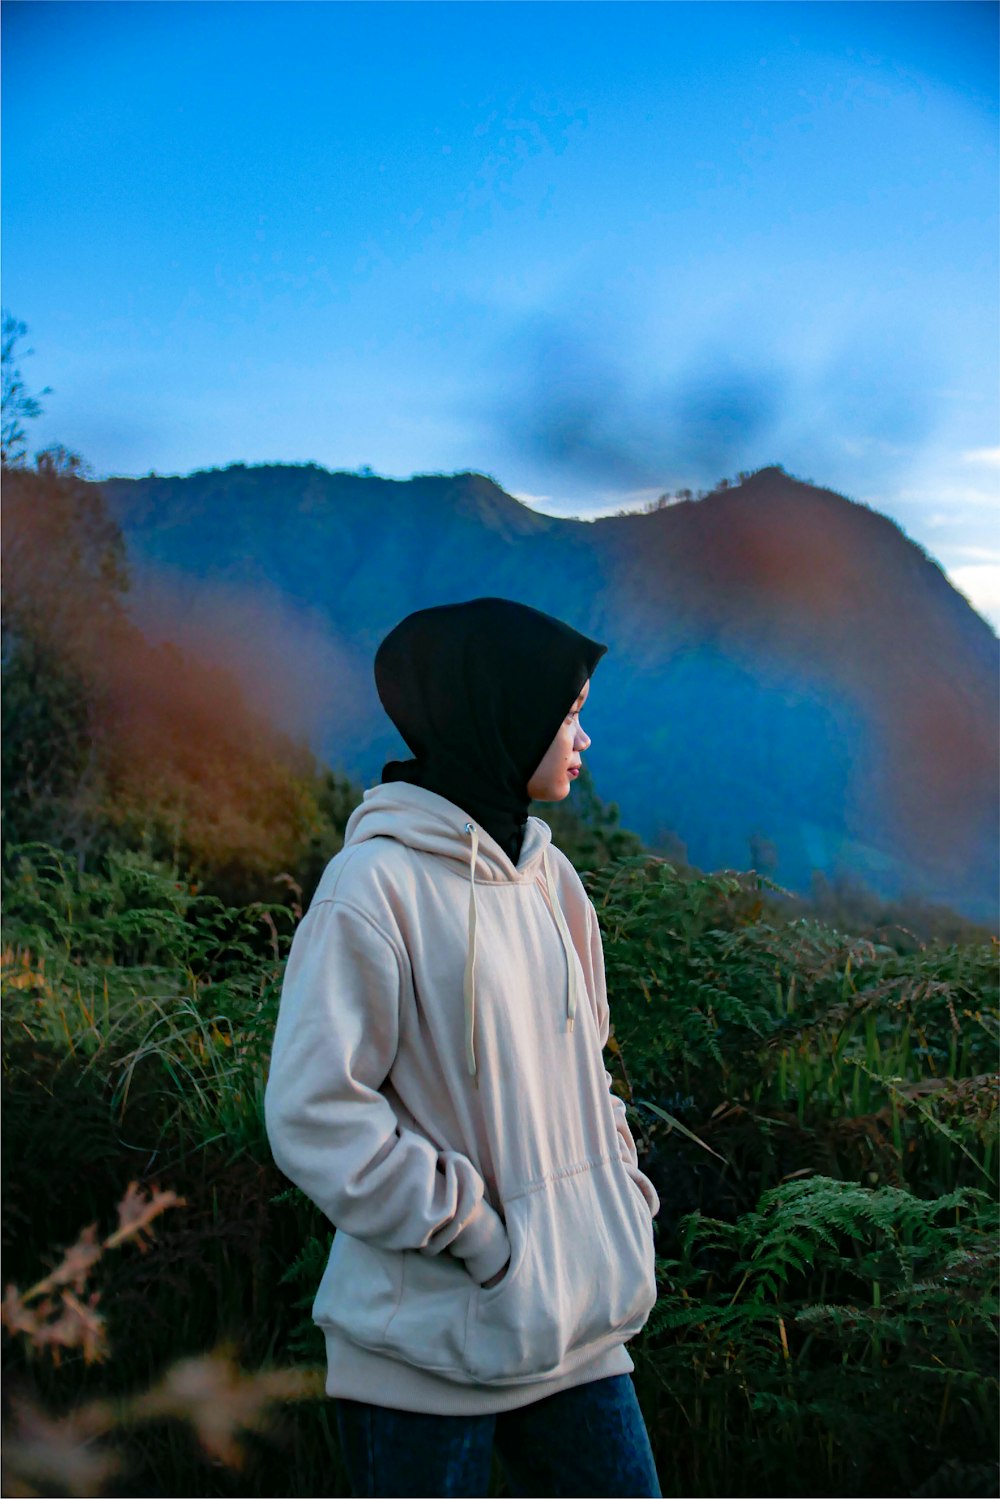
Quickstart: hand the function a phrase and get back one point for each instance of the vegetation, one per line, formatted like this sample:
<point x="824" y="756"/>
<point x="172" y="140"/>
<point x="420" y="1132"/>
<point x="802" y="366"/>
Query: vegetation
<point x="112" y="740"/>
<point x="17" y="404"/>
<point x="815" y="1099"/>
<point x="684" y="495"/>
<point x="820" y="1116"/>
<point x="816" y="1112"/>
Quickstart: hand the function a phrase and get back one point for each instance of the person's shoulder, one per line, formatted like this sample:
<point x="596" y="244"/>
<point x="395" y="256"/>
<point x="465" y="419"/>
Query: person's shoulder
<point x="567" y="878"/>
<point x="366" y="887"/>
<point x="364" y="874"/>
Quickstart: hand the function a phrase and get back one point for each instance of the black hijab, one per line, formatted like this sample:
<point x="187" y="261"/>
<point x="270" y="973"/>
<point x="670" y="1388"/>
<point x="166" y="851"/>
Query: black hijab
<point x="478" y="691"/>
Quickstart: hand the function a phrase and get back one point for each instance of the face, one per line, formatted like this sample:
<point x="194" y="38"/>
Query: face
<point x="560" y="765"/>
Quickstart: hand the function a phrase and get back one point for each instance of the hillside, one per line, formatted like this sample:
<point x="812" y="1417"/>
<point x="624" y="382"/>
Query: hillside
<point x="791" y="682"/>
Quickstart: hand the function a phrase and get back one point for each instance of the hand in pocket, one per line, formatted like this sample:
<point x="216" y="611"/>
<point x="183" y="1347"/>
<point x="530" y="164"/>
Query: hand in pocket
<point x="495" y="1280"/>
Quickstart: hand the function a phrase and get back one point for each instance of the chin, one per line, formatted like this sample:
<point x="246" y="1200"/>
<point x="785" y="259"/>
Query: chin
<point x="551" y="793"/>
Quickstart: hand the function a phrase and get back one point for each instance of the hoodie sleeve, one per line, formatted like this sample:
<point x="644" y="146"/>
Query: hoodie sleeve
<point x="331" y="1130"/>
<point x="600" y="996"/>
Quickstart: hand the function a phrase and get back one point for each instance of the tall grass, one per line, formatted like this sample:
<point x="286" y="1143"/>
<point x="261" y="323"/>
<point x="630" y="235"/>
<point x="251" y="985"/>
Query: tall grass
<point x="817" y="1110"/>
<point x="820" y="1115"/>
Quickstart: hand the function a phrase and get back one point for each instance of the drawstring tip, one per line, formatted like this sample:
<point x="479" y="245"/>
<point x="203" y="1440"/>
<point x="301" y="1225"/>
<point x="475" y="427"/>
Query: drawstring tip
<point x="569" y="1025"/>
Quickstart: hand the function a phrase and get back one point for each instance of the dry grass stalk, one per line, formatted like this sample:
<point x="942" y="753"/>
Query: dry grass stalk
<point x="50" y="1454"/>
<point x="53" y="1323"/>
<point x="211" y="1394"/>
<point x="218" y="1400"/>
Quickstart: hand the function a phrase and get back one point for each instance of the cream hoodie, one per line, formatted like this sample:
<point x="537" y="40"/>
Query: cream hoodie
<point x="437" y="1088"/>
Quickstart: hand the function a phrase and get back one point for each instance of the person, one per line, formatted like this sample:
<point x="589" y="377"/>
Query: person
<point x="437" y="1088"/>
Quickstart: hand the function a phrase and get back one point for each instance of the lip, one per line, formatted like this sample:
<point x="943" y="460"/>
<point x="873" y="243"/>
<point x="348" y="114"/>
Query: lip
<point x="574" y="771"/>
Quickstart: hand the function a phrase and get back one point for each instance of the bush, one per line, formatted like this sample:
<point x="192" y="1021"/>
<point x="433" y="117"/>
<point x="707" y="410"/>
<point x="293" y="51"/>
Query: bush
<point x="816" y="1110"/>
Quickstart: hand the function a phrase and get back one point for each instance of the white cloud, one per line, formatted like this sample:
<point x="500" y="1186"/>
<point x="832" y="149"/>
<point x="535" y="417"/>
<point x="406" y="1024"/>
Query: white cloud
<point x="535" y="501"/>
<point x="945" y="494"/>
<point x="866" y="447"/>
<point x="988" y="456"/>
<point x="980" y="583"/>
<point x="981" y="554"/>
<point x="590" y="507"/>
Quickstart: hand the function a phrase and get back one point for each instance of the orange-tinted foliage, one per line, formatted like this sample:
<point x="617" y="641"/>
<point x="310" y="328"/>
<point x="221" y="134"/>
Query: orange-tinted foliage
<point x="187" y="753"/>
<point x="177" y="752"/>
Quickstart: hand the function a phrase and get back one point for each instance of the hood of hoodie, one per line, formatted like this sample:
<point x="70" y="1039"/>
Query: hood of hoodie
<point x="422" y="820"/>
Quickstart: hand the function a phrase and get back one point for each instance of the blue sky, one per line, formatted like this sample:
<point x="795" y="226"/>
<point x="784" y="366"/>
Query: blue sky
<point x="595" y="250"/>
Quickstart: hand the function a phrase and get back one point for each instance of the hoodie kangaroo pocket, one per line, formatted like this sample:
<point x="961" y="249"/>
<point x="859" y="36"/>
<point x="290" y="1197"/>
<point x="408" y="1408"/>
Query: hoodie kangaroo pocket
<point x="429" y="1325"/>
<point x="412" y="1306"/>
<point x="360" y="1290"/>
<point x="581" y="1275"/>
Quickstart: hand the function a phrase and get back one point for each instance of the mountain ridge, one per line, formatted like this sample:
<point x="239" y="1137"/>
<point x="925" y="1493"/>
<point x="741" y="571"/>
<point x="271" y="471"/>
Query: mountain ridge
<point x="785" y="663"/>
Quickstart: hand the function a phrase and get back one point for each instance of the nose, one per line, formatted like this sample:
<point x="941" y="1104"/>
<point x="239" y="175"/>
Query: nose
<point x="582" y="739"/>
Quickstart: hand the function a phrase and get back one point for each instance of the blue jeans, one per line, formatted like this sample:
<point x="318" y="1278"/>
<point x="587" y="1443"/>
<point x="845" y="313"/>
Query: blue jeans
<point x="587" y="1440"/>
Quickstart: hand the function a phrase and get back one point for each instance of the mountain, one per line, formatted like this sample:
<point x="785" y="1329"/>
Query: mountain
<point x="791" y="682"/>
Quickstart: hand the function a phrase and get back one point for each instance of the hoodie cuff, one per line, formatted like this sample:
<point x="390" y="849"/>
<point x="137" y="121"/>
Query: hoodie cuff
<point x="483" y="1244"/>
<point x="645" y="1187"/>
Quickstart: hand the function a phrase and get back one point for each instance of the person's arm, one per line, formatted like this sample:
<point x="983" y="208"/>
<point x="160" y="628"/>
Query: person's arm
<point x="600" y="995"/>
<point x="333" y="1133"/>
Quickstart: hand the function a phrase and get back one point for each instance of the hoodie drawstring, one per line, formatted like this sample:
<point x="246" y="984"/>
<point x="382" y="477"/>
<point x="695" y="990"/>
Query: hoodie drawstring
<point x="567" y="941"/>
<point x="469" y="982"/>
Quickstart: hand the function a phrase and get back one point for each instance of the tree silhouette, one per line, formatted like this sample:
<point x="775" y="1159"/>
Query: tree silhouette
<point x="17" y="404"/>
